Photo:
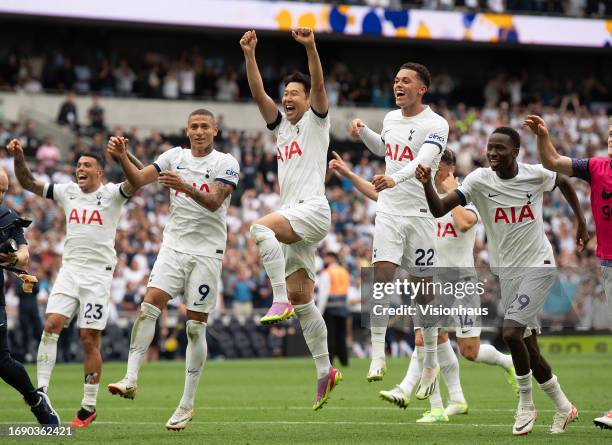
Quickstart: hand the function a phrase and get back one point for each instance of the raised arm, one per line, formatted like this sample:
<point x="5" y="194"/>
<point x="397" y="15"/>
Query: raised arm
<point x="23" y="173"/>
<point x="549" y="157"/>
<point x="340" y="167"/>
<point x="438" y="207"/>
<point x="266" y="105"/>
<point x="582" y="234"/>
<point x="318" y="96"/>
<point x="136" y="175"/>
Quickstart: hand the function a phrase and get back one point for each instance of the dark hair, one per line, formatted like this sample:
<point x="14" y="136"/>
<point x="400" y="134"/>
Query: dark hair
<point x="302" y="78"/>
<point x="421" y="71"/>
<point x="448" y="157"/>
<point x="91" y="154"/>
<point x="201" y="112"/>
<point x="511" y="133"/>
<point x="334" y="255"/>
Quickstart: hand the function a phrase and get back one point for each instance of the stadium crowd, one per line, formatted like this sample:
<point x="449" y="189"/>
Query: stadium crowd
<point x="245" y="286"/>
<point x="195" y="75"/>
<point x="571" y="8"/>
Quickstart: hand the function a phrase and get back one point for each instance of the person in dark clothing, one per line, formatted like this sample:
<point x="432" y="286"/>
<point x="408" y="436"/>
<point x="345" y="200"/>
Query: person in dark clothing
<point x="11" y="371"/>
<point x="68" y="113"/>
<point x="30" y="324"/>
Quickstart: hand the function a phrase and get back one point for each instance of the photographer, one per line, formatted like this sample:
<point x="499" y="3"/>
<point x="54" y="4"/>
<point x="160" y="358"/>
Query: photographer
<point x="15" y="257"/>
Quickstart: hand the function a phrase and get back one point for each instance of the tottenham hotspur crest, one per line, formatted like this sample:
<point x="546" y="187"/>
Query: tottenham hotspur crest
<point x="99" y="198"/>
<point x="411" y="133"/>
<point x="528" y="195"/>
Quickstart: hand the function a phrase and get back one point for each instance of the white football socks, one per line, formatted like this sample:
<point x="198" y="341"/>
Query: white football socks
<point x="435" y="400"/>
<point x="525" y="392"/>
<point x="315" y="334"/>
<point x="491" y="356"/>
<point x="413" y="374"/>
<point x="449" y="365"/>
<point x="45" y="360"/>
<point x="556" y="394"/>
<point x="430" y="347"/>
<point x="273" y="260"/>
<point x="142" y="335"/>
<point x="90" y="395"/>
<point x="377" y="334"/>
<point x="195" y="357"/>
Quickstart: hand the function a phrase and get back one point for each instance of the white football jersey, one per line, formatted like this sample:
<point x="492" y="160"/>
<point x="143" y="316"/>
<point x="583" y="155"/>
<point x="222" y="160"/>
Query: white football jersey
<point x="301" y="152"/>
<point x="91" y="223"/>
<point x="455" y="248"/>
<point x="192" y="228"/>
<point x="403" y="138"/>
<point x="511" y="210"/>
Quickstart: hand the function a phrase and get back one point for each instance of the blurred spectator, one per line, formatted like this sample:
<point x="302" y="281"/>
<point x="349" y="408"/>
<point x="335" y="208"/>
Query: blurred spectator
<point x="29" y="138"/>
<point x="170" y="88"/>
<point x="68" y="112"/>
<point x="154" y="81"/>
<point x="334" y="287"/>
<point x="244" y="289"/>
<point x="83" y="77"/>
<point x="66" y="77"/>
<point x="186" y="78"/>
<point x="48" y="154"/>
<point x="96" y="115"/>
<point x="105" y="81"/>
<point x="28" y="83"/>
<point x="124" y="78"/>
<point x="227" y="88"/>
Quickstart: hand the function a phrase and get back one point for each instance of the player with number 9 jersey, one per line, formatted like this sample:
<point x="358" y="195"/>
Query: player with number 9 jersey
<point x="200" y="180"/>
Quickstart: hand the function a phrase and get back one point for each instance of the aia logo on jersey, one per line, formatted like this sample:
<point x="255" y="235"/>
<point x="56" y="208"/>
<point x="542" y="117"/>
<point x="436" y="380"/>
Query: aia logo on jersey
<point x="514" y="215"/>
<point x="203" y="187"/>
<point x="85" y="217"/>
<point x="447" y="230"/>
<point x="395" y="155"/>
<point x="290" y="151"/>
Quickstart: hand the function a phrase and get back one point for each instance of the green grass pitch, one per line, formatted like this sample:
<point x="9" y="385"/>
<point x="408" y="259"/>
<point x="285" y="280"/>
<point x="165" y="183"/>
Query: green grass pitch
<point x="269" y="402"/>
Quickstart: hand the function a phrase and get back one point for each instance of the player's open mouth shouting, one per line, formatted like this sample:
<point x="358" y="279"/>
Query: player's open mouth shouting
<point x="289" y="109"/>
<point x="81" y="178"/>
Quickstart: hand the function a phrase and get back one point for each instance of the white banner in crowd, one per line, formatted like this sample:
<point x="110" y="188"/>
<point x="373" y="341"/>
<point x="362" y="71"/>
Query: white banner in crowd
<point x="352" y="20"/>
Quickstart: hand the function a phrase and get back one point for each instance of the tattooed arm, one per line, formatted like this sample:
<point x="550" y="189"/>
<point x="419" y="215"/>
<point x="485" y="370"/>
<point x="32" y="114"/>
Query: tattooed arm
<point x="211" y="201"/>
<point x="134" y="160"/>
<point x="23" y="173"/>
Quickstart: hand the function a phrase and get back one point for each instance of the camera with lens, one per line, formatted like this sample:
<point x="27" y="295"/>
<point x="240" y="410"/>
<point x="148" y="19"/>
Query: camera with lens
<point x="8" y="246"/>
<point x="8" y="221"/>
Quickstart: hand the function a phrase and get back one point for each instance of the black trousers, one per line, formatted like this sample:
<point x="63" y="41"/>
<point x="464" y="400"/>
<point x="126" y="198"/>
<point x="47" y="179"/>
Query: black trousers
<point x="336" y="337"/>
<point x="11" y="371"/>
<point x="30" y="325"/>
